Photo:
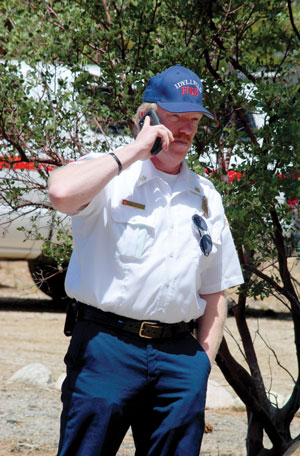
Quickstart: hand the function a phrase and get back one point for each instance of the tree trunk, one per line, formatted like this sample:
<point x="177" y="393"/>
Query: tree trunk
<point x="255" y="434"/>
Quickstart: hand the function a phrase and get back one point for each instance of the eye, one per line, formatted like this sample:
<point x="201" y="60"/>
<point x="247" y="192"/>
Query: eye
<point x="197" y="119"/>
<point x="174" y="118"/>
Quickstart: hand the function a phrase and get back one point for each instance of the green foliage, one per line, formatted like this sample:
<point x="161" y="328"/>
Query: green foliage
<point x="59" y="250"/>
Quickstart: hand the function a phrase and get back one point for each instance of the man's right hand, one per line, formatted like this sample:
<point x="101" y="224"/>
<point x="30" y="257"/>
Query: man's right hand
<point x="148" y="135"/>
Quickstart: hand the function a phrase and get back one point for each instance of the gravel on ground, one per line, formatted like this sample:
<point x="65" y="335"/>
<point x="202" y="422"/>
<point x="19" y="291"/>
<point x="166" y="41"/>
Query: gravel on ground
<point x="31" y="328"/>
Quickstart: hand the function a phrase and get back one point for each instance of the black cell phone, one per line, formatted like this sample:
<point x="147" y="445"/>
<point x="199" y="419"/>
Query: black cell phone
<point x="157" y="146"/>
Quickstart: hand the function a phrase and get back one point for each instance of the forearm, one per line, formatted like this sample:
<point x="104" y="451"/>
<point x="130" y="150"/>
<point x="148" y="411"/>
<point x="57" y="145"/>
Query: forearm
<point x="74" y="186"/>
<point x="211" y="324"/>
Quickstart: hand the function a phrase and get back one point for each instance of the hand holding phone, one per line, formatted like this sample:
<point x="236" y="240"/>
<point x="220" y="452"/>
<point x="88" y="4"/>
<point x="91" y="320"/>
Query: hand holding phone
<point x="154" y="120"/>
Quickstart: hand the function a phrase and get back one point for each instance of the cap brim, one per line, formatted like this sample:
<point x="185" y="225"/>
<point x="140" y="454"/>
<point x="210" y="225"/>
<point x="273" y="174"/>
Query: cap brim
<point x="184" y="107"/>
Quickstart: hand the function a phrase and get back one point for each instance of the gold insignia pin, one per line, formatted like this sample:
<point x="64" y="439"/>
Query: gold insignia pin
<point x="133" y="204"/>
<point x="197" y="189"/>
<point x="205" y="205"/>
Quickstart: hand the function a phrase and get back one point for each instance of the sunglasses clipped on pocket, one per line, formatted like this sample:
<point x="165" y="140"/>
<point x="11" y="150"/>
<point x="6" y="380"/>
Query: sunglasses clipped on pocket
<point x="205" y="242"/>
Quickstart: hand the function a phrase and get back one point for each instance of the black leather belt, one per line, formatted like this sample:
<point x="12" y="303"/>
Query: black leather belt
<point x="144" y="329"/>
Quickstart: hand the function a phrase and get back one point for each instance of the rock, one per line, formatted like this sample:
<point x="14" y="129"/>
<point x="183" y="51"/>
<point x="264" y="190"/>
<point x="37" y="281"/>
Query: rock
<point x="208" y="429"/>
<point x="34" y="373"/>
<point x="219" y="397"/>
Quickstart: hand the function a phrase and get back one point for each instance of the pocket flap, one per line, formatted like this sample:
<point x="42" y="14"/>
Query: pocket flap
<point x="131" y="215"/>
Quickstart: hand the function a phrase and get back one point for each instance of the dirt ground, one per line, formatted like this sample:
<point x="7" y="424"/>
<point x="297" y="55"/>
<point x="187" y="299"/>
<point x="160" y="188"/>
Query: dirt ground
<point x="31" y="328"/>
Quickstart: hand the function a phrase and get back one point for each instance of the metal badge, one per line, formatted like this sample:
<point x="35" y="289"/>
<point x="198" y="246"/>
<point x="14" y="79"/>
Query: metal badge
<point x="205" y="205"/>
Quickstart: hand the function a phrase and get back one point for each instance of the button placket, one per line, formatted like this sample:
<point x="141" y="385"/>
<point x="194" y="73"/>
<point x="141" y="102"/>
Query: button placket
<point x="171" y="243"/>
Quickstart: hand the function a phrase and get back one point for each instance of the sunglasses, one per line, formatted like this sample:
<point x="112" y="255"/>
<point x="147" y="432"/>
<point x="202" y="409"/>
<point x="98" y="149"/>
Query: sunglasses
<point x="205" y="239"/>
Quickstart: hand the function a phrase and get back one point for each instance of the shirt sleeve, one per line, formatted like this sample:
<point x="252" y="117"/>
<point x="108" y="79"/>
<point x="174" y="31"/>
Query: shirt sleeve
<point x="95" y="205"/>
<point x="223" y="268"/>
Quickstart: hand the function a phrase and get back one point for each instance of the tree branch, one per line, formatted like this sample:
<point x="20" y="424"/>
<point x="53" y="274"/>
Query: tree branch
<point x="15" y="144"/>
<point x="292" y="19"/>
<point x="242" y="383"/>
<point x="106" y="12"/>
<point x="251" y="358"/>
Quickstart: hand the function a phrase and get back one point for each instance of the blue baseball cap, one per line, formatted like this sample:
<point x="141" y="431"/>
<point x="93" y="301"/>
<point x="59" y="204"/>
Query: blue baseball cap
<point x="176" y="89"/>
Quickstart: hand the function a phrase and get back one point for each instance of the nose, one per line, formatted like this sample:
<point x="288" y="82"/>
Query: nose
<point x="186" y="127"/>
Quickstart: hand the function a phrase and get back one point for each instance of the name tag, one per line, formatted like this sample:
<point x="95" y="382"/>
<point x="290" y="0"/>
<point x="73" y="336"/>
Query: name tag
<point x="133" y="204"/>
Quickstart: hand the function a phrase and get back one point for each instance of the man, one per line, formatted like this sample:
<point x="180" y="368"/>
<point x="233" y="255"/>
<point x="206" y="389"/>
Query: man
<point x="152" y="253"/>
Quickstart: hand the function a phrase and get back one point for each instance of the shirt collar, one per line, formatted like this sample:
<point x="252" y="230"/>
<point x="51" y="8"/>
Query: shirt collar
<point x="147" y="172"/>
<point x="187" y="180"/>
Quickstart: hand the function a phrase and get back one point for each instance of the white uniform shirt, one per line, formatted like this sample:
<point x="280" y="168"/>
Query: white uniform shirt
<point x="136" y="250"/>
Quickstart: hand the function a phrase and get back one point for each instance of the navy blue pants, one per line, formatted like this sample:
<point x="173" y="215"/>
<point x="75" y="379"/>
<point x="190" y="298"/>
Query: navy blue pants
<point x="115" y="381"/>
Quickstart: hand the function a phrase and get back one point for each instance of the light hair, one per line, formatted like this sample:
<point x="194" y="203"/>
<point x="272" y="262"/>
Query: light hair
<point x="144" y="107"/>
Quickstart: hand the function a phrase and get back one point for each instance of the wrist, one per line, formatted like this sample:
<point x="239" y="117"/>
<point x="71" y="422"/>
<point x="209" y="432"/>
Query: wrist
<point x="129" y="154"/>
<point x="117" y="160"/>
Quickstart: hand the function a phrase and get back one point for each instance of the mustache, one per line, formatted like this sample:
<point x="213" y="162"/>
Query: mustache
<point x="182" y="138"/>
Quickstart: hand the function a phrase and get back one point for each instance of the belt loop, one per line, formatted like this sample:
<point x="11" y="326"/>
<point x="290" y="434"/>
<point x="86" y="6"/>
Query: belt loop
<point x="163" y="330"/>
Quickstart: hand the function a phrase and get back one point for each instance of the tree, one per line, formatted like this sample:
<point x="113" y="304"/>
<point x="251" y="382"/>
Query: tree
<point x="247" y="53"/>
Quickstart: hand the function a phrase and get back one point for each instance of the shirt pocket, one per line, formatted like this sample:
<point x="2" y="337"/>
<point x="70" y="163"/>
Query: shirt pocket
<point x="133" y="235"/>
